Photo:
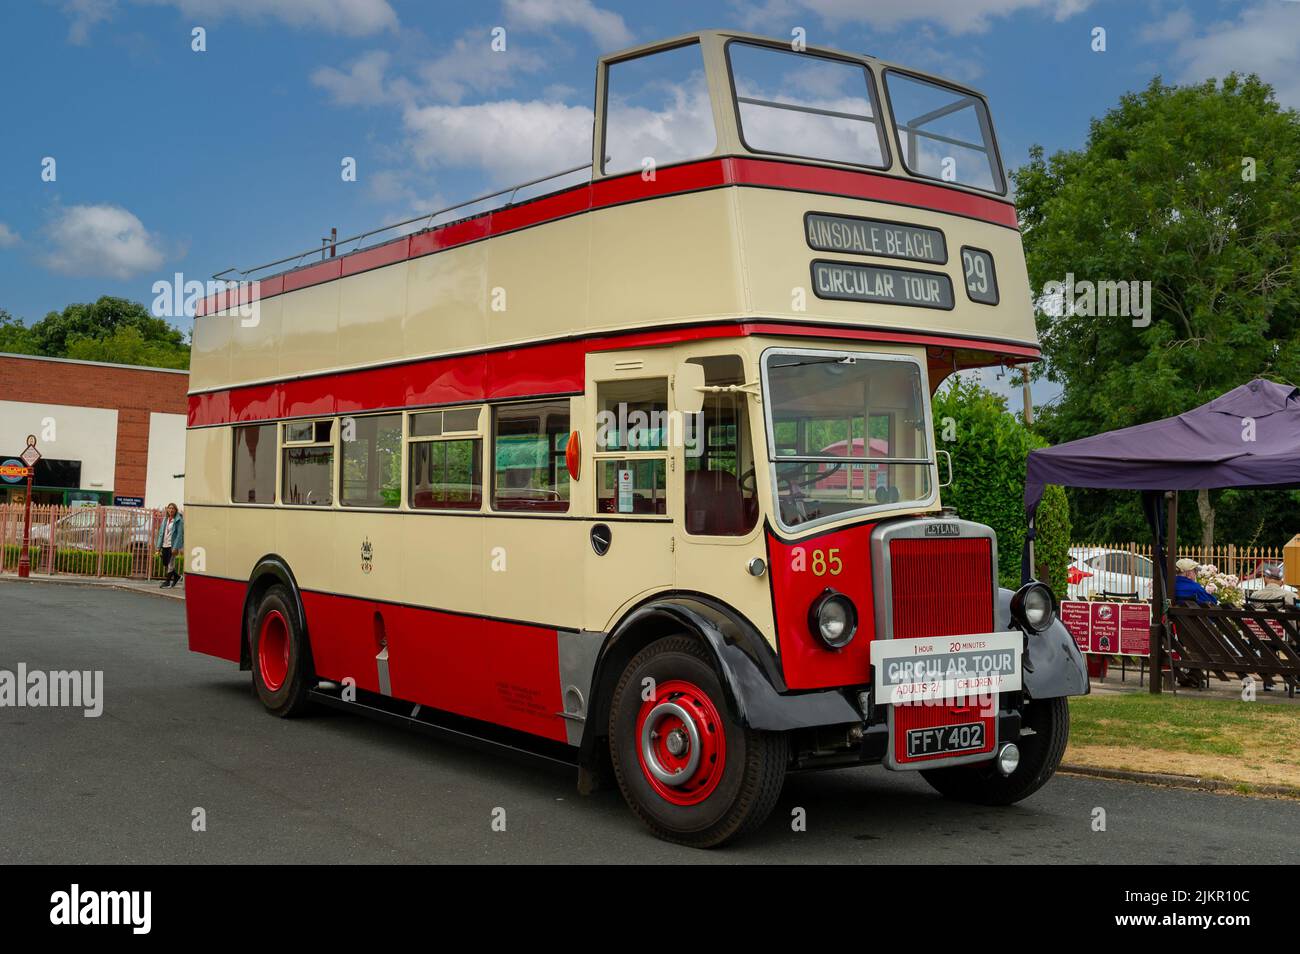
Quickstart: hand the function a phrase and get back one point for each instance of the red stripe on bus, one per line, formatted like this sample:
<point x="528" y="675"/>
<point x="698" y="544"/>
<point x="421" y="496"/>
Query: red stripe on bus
<point x="549" y="368"/>
<point x="492" y="670"/>
<point x="620" y="190"/>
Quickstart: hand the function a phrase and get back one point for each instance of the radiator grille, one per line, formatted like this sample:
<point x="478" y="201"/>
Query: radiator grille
<point x="941" y="587"/>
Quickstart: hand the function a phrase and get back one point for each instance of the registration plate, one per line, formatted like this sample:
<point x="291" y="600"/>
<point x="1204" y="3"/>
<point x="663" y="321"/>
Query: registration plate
<point x="945" y="739"/>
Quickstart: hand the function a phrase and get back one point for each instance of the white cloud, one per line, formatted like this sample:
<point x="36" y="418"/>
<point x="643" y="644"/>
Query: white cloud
<point x="1263" y="39"/>
<point x="969" y="16"/>
<point x="350" y="17"/>
<point x="605" y="27"/>
<point x="8" y="237"/>
<point x="361" y="85"/>
<point x="512" y="140"/>
<point x="91" y="240"/>
<point x="471" y="65"/>
<point x="84" y="16"/>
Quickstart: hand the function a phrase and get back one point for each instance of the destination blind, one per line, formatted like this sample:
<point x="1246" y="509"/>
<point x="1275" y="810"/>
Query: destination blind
<point x="843" y="233"/>
<point x="848" y="281"/>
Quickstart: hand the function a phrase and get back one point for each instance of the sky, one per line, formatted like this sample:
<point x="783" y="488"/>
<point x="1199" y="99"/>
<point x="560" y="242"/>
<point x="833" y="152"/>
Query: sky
<point x="129" y="156"/>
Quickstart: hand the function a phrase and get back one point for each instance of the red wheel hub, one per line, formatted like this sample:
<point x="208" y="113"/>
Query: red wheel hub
<point x="681" y="742"/>
<point x="273" y="650"/>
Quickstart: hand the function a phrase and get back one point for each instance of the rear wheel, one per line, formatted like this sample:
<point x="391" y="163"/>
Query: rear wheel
<point x="282" y="669"/>
<point x="689" y="771"/>
<point x="1040" y="754"/>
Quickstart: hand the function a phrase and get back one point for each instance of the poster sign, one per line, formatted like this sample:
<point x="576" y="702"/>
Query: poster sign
<point x="120" y="501"/>
<point x="1109" y="629"/>
<point x="1076" y="616"/>
<point x="625" y="489"/>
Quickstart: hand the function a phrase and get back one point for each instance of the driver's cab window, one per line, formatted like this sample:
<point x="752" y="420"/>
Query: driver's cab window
<point x="721" y="496"/>
<point x="632" y="447"/>
<point x="657" y="110"/>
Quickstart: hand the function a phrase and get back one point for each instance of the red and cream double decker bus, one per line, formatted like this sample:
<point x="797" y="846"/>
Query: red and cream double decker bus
<point x="640" y="472"/>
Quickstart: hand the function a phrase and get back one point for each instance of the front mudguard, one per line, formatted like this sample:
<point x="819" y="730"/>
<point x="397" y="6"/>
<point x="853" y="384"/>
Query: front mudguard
<point x="1053" y="665"/>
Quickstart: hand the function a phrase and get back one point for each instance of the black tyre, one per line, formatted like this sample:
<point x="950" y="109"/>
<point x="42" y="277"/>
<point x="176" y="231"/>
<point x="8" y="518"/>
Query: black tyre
<point x="1040" y="754"/>
<point x="687" y="769"/>
<point x="282" y="667"/>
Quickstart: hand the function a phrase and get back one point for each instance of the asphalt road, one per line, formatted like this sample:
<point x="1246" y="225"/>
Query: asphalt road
<point x="181" y="731"/>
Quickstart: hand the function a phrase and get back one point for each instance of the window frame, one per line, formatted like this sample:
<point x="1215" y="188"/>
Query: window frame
<point x="234" y="449"/>
<point x="857" y="513"/>
<point x="995" y="149"/>
<point x="887" y="161"/>
<point x="444" y="436"/>
<point x="282" y="470"/>
<point x="490" y="446"/>
<point x="664" y="453"/>
<point x="603" y="118"/>
<point x="341" y="460"/>
<point x="745" y="413"/>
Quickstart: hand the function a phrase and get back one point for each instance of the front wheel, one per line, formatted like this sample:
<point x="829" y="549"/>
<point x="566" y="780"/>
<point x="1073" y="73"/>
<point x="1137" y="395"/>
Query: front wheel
<point x="282" y="667"/>
<point x="1040" y="754"/>
<point x="688" y="770"/>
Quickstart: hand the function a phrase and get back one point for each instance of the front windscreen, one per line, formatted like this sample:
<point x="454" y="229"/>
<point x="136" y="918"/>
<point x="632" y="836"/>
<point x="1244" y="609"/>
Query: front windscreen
<point x="801" y="104"/>
<point x="847" y="432"/>
<point x="944" y="133"/>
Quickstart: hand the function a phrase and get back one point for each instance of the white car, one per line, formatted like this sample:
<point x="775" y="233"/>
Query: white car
<point x="1094" y="569"/>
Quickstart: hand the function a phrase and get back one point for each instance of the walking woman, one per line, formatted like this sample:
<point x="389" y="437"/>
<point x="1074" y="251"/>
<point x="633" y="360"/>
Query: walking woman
<point x="171" y="544"/>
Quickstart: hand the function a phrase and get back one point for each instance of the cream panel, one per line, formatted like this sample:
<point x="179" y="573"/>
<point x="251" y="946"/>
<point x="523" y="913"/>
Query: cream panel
<point x="442" y="562"/>
<point x="207" y="465"/>
<point x="379" y="578"/>
<point x="639" y="562"/>
<point x="206" y="533"/>
<point x="309" y="329"/>
<point x="543" y="579"/>
<point x="371" y="308"/>
<point x="253" y="533"/>
<point x="721" y="570"/>
<point x="672" y="258"/>
<point x="543" y="274"/>
<point x="446" y="297"/>
<point x="255" y="341"/>
<point x="307" y="541"/>
<point x="210" y="353"/>
<point x="778" y="258"/>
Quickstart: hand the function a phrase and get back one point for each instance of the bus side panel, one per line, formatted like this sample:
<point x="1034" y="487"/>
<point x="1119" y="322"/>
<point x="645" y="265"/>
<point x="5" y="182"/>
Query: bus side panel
<point x="344" y="635"/>
<point x="212" y="614"/>
<point x="505" y="673"/>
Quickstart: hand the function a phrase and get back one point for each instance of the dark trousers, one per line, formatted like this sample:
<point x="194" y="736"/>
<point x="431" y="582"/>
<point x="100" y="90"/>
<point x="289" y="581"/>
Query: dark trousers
<point x="169" y="565"/>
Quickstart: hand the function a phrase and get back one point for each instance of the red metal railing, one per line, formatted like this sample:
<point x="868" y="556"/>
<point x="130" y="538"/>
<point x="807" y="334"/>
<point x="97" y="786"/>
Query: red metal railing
<point x="83" y="541"/>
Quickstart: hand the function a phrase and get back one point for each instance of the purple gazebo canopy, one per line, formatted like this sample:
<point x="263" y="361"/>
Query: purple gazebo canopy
<point x="1248" y="437"/>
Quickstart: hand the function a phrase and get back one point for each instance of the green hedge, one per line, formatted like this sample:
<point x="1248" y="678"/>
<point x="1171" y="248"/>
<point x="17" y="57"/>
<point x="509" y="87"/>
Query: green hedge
<point x="117" y="563"/>
<point x="989" y="447"/>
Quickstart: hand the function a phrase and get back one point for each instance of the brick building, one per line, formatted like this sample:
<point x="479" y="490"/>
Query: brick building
<point x="107" y="432"/>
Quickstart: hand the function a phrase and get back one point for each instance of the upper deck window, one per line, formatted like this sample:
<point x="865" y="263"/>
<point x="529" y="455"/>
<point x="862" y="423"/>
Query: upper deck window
<point x="944" y="133"/>
<point x="657" y="110"/>
<point x="802" y="104"/>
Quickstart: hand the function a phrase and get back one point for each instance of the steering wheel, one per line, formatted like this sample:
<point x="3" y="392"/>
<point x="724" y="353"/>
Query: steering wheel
<point x="749" y="477"/>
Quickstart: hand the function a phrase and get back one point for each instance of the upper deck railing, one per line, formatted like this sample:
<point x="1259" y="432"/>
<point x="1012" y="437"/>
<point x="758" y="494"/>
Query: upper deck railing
<point x="723" y="87"/>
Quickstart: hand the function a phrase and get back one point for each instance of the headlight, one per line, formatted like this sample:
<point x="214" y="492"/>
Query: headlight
<point x="833" y="619"/>
<point x="1033" y="606"/>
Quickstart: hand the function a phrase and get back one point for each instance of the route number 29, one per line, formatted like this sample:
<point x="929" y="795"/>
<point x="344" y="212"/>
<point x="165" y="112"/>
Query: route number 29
<point x="827" y="561"/>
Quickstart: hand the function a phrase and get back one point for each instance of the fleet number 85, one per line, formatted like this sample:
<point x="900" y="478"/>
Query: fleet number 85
<point x="827" y="561"/>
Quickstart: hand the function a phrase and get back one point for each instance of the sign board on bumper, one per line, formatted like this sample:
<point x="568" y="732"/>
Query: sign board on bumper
<point x="946" y="667"/>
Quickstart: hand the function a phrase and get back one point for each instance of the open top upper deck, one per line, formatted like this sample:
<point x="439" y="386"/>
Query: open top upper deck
<point x="734" y="182"/>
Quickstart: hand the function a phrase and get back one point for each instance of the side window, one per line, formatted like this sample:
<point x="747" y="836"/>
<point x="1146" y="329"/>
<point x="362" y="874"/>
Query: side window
<point x="445" y="460"/>
<point x="631" y="451"/>
<point x="528" y="469"/>
<point x="371" y="466"/>
<point x="721" y="496"/>
<point x="307" y="470"/>
<point x="253" y="472"/>
<point x="657" y="108"/>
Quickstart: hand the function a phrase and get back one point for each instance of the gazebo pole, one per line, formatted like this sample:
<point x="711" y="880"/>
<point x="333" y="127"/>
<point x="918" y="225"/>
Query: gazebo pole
<point x="1160" y="632"/>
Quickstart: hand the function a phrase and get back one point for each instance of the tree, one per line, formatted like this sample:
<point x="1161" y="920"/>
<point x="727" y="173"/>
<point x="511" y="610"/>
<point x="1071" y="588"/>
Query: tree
<point x="1195" y="189"/>
<point x="111" y="329"/>
<point x="989" y="447"/>
<point x="15" y="337"/>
